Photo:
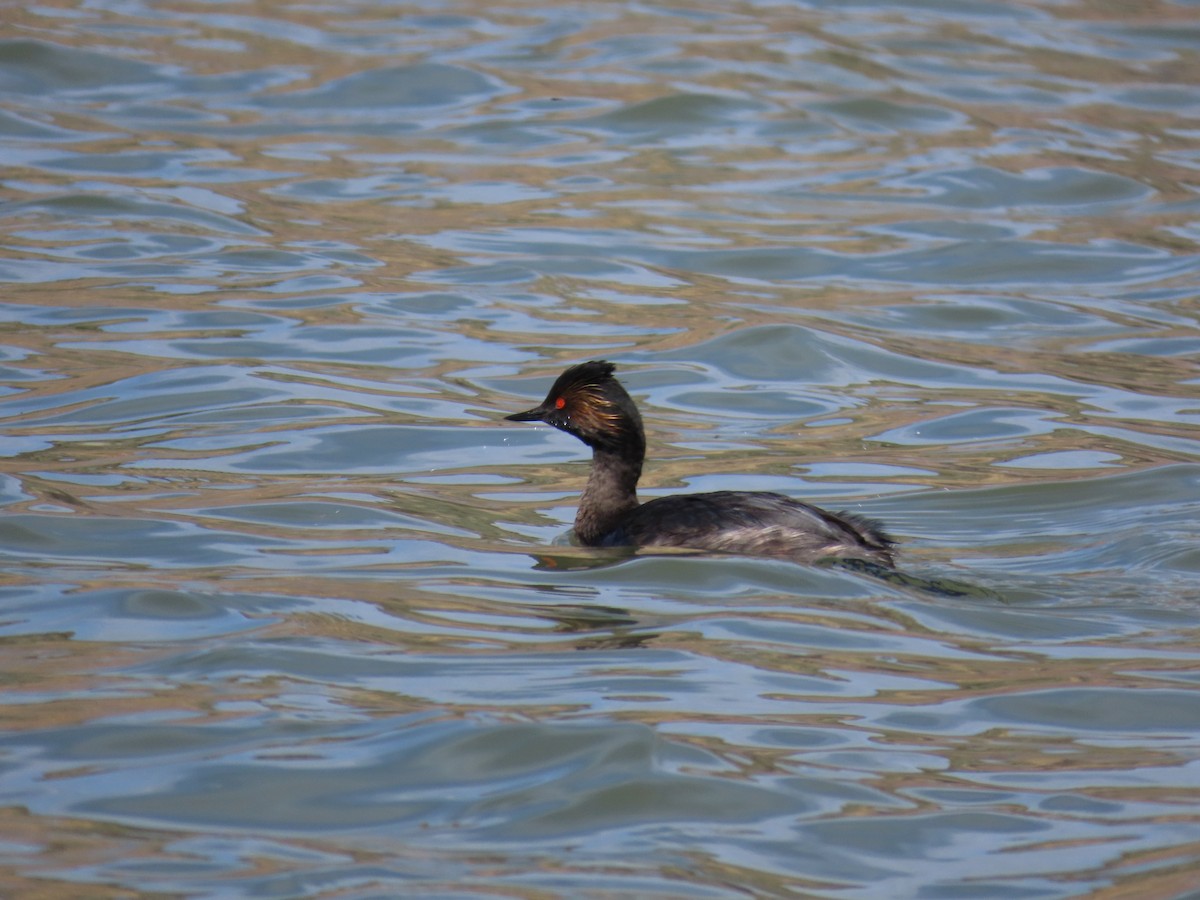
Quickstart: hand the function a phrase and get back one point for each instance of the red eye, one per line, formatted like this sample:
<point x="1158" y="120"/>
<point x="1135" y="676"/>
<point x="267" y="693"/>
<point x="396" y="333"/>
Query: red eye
<point x="560" y="403"/>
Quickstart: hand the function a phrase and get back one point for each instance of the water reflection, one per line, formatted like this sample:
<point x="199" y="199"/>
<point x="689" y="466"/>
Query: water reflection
<point x="284" y="612"/>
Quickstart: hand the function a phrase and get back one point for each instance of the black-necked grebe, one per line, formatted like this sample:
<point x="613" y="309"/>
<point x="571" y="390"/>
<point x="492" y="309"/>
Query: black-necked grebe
<point x="589" y="403"/>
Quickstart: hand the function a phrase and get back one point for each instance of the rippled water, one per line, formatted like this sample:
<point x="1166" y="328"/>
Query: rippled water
<point x="286" y="607"/>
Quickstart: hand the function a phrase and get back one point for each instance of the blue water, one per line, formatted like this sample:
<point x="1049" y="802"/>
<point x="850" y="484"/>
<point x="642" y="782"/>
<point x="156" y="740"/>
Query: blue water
<point x="288" y="610"/>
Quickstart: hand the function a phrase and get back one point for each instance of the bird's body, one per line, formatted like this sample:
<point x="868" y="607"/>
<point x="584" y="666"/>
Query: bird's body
<point x="588" y="402"/>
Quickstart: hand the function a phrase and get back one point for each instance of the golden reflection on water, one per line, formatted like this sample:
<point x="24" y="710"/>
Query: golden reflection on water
<point x="264" y="315"/>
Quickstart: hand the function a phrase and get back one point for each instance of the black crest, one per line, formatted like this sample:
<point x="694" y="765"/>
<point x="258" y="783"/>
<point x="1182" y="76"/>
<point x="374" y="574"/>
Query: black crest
<point x="588" y="402"/>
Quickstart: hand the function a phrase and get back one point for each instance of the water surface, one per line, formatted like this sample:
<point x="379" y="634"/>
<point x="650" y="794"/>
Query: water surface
<point x="287" y="608"/>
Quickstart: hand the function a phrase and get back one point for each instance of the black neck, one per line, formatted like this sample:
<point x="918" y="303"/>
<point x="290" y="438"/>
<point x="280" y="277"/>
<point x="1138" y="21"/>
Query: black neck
<point x="611" y="491"/>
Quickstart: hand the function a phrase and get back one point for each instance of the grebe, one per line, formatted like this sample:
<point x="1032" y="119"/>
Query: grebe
<point x="588" y="402"/>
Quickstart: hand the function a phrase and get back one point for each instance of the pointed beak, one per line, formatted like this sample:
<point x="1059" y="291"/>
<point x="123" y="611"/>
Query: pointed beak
<point x="530" y="415"/>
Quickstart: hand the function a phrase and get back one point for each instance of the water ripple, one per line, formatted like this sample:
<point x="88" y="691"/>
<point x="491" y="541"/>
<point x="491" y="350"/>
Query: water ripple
<point x="287" y="608"/>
